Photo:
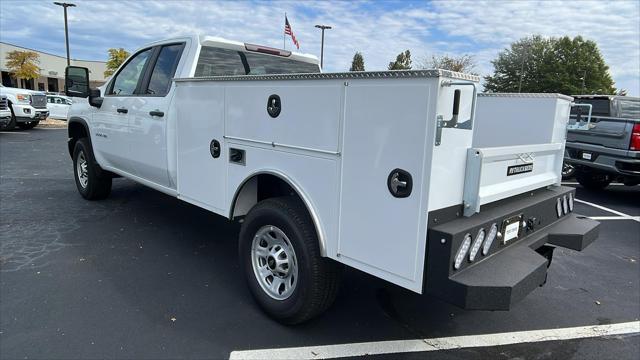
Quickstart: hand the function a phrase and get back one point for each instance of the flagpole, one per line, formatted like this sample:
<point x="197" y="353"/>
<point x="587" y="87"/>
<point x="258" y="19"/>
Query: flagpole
<point x="284" y="36"/>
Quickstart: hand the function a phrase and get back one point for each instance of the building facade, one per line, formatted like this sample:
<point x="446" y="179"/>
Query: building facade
<point x="51" y="70"/>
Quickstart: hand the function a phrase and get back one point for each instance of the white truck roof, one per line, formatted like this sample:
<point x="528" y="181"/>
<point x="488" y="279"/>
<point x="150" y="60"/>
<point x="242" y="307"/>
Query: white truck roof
<point x="206" y="40"/>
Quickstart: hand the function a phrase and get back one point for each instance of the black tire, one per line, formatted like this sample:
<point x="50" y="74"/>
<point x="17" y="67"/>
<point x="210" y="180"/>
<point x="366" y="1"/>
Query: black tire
<point x="12" y="122"/>
<point x="98" y="184"/>
<point x="28" y="125"/>
<point x="318" y="278"/>
<point x="593" y="180"/>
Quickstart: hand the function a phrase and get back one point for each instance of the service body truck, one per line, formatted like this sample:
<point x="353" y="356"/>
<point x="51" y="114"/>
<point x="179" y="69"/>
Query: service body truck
<point x="374" y="170"/>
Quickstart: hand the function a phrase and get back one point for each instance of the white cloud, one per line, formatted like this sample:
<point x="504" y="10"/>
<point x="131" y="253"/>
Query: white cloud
<point x="380" y="30"/>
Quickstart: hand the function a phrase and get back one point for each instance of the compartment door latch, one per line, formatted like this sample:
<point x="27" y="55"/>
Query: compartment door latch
<point x="400" y="183"/>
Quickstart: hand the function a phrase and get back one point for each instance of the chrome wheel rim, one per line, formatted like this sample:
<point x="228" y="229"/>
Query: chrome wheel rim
<point x="274" y="262"/>
<point x="81" y="170"/>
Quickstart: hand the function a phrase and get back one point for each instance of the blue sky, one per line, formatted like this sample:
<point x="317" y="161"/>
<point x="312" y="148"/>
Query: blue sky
<point x="378" y="29"/>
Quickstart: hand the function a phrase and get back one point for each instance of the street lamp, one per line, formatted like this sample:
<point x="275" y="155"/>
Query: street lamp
<point x="322" y="27"/>
<point x="66" y="30"/>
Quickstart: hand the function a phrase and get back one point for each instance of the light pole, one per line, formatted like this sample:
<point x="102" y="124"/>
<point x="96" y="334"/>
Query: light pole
<point x="66" y="29"/>
<point x="323" y="28"/>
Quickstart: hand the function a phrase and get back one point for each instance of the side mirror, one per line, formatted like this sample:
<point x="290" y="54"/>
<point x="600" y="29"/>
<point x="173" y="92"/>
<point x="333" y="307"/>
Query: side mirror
<point x="76" y="81"/>
<point x="95" y="99"/>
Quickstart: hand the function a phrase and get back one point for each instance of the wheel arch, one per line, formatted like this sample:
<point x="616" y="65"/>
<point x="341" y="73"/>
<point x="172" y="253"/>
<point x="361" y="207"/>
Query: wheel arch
<point x="263" y="180"/>
<point x="77" y="128"/>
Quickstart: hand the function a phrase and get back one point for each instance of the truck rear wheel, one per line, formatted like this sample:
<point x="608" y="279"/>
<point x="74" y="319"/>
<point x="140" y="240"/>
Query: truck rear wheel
<point x="280" y="255"/>
<point x="90" y="181"/>
<point x="593" y="180"/>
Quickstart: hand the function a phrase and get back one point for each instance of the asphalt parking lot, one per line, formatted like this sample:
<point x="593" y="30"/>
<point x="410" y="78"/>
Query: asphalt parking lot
<point x="143" y="275"/>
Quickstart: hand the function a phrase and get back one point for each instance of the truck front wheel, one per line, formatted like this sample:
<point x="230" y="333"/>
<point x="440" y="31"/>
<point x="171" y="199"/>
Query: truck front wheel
<point x="90" y="181"/>
<point x="280" y="255"/>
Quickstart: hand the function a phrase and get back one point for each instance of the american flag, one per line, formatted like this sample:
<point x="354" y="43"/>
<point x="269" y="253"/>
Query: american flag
<point x="288" y="31"/>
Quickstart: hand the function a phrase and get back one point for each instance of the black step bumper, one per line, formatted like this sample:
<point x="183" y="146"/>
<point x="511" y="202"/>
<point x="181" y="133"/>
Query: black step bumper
<point x="509" y="271"/>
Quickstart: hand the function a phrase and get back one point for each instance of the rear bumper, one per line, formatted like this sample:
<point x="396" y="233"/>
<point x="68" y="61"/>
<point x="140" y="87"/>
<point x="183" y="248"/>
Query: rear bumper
<point x="509" y="271"/>
<point x="613" y="161"/>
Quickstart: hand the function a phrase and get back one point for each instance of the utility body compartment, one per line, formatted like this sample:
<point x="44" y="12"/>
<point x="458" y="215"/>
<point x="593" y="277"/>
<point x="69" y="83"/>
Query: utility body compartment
<point x="376" y="156"/>
<point x="346" y="142"/>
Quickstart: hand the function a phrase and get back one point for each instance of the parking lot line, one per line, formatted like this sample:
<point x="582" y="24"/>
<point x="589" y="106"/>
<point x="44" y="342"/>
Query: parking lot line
<point x="629" y="217"/>
<point x="437" y="344"/>
<point x="636" y="218"/>
<point x="577" y="183"/>
<point x="14" y="132"/>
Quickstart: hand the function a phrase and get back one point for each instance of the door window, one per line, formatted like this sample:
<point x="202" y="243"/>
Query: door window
<point x="126" y="80"/>
<point x="163" y="71"/>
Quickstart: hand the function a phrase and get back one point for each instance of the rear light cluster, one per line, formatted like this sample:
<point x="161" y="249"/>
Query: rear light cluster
<point x="482" y="240"/>
<point x="564" y="205"/>
<point x="635" y="138"/>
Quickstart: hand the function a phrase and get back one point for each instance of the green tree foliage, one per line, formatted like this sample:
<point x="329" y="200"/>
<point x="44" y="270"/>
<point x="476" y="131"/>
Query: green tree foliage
<point x="464" y="63"/>
<point x="403" y="61"/>
<point x="23" y="64"/>
<point x="358" y="62"/>
<point x="116" y="58"/>
<point x="563" y="65"/>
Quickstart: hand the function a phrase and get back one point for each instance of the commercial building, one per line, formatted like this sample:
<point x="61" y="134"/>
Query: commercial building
<point x="51" y="70"/>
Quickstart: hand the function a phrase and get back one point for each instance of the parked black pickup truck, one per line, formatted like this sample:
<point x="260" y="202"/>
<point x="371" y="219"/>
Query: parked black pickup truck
<point x="608" y="148"/>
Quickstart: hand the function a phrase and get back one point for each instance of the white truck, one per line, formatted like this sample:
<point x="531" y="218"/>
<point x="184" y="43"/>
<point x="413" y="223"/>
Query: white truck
<point x="374" y="170"/>
<point x="27" y="107"/>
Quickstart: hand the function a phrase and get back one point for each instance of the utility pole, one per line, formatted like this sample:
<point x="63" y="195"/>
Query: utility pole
<point x="323" y="28"/>
<point x="66" y="28"/>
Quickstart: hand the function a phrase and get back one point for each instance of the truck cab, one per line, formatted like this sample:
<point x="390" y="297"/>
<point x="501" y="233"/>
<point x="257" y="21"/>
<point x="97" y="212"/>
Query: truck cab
<point x="131" y="113"/>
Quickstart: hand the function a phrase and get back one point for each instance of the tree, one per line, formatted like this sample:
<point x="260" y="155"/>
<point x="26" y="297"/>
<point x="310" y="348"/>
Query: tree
<point x="464" y="63"/>
<point x="358" y="62"/>
<point x="403" y="61"/>
<point x="562" y="65"/>
<point x="23" y="64"/>
<point x="116" y="58"/>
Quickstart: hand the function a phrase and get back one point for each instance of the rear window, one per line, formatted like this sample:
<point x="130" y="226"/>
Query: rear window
<point x="224" y="62"/>
<point x="600" y="107"/>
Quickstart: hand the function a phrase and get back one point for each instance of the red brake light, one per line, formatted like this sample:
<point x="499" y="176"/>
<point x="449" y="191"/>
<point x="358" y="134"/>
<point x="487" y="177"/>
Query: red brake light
<point x="267" y="50"/>
<point x="635" y="138"/>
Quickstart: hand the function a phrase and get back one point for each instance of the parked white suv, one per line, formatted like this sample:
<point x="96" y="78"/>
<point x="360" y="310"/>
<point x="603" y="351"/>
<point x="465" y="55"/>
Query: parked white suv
<point x="27" y="107"/>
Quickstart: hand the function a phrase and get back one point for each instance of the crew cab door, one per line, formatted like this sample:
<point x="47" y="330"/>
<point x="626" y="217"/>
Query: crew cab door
<point x="110" y="140"/>
<point x="149" y="114"/>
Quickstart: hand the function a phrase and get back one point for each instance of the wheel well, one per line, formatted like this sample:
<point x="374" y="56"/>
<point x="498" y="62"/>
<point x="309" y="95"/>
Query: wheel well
<point x="267" y="185"/>
<point x="256" y="189"/>
<point x="76" y="132"/>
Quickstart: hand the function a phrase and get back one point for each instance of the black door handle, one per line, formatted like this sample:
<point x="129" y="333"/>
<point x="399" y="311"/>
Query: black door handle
<point x="122" y="110"/>
<point x="156" y="113"/>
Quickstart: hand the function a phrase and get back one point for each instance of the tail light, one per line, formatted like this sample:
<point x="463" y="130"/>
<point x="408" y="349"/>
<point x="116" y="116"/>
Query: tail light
<point x="635" y="138"/>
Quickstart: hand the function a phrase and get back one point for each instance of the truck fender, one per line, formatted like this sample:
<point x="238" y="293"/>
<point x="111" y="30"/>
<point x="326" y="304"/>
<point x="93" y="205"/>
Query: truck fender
<point x="77" y="128"/>
<point x="296" y="189"/>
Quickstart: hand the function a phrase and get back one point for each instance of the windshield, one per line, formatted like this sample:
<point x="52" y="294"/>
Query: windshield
<point x="223" y="62"/>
